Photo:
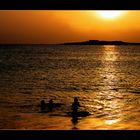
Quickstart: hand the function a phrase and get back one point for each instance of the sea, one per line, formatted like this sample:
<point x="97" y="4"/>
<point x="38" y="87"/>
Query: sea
<point x="104" y="78"/>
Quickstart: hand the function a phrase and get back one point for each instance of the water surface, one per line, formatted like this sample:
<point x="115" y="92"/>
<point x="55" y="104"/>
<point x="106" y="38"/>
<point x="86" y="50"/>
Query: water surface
<point x="105" y="78"/>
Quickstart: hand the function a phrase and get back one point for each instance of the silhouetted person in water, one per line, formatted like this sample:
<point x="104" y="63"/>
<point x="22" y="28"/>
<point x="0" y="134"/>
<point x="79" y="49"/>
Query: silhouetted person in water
<point x="75" y="106"/>
<point x="50" y="105"/>
<point x="43" y="105"/>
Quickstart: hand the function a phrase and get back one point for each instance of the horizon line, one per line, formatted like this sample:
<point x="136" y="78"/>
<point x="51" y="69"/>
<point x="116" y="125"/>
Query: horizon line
<point x="61" y="43"/>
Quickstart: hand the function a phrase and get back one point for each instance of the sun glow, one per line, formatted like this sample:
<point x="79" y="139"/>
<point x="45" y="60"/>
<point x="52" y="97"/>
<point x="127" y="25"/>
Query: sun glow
<point x="110" y="14"/>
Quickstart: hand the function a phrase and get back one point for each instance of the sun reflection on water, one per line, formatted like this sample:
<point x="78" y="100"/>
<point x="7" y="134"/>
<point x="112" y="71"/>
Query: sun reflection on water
<point x="109" y="72"/>
<point x="110" y="122"/>
<point x="110" y="53"/>
<point x="111" y="105"/>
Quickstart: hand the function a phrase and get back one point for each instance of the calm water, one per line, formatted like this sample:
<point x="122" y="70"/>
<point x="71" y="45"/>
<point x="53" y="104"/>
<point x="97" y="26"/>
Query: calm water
<point x="105" y="78"/>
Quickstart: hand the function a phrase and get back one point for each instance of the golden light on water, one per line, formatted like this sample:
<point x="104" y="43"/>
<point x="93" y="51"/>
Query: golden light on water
<point x="110" y="122"/>
<point x="111" y="106"/>
<point x="109" y="53"/>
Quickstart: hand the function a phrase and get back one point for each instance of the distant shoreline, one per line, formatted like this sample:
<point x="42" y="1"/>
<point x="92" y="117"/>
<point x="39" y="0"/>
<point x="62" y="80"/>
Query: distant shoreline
<point x="89" y="42"/>
<point x="98" y="42"/>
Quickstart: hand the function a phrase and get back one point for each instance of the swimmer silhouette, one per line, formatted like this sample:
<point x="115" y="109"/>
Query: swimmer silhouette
<point x="43" y="105"/>
<point x="75" y="106"/>
<point x="50" y="105"/>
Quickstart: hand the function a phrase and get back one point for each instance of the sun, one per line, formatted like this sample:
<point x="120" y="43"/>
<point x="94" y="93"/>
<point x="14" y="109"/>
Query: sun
<point x="110" y="14"/>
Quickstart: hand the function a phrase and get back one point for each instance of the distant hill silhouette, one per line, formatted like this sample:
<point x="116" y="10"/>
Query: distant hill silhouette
<point x="98" y="42"/>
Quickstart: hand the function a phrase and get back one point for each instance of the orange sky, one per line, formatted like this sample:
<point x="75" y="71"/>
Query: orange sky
<point x="52" y="26"/>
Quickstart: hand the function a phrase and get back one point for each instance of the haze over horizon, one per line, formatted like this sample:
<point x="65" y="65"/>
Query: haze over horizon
<point x="60" y="26"/>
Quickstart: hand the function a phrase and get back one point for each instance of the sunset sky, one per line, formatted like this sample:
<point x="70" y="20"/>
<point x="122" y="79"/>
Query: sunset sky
<point x="55" y="26"/>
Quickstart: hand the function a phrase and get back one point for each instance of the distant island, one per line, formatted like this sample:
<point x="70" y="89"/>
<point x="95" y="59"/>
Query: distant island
<point x="89" y="42"/>
<point x="98" y="42"/>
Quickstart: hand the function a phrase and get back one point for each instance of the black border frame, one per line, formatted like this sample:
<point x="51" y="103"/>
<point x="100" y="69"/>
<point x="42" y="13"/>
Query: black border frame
<point x="69" y="4"/>
<point x="70" y="134"/>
